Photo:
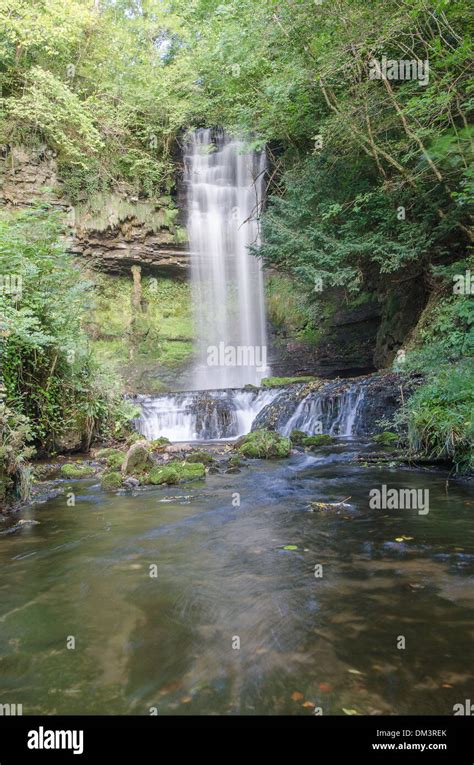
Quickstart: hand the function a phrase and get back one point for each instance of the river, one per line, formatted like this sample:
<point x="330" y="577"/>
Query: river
<point x="168" y="643"/>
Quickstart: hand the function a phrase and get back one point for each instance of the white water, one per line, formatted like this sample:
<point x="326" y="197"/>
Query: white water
<point x="197" y="416"/>
<point x="334" y="415"/>
<point x="225" y="192"/>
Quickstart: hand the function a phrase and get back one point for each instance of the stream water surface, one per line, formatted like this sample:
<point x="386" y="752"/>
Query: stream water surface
<point x="168" y="641"/>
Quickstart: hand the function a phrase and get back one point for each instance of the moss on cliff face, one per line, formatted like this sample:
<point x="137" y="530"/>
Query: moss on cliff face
<point x="148" y="344"/>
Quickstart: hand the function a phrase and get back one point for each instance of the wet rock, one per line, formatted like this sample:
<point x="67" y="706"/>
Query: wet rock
<point x="264" y="444"/>
<point x="74" y="470"/>
<point x="131" y="482"/>
<point x="111" y="481"/>
<point x="200" y="456"/>
<point x="297" y="436"/>
<point x="314" y="442"/>
<point x="175" y="472"/>
<point x="136" y="458"/>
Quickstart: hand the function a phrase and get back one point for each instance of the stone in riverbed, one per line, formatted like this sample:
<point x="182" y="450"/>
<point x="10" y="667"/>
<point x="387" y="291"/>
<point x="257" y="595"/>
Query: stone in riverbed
<point x="137" y="458"/>
<point x="200" y="456"/>
<point x="111" y="481"/>
<point x="297" y="436"/>
<point x="175" y="472"/>
<point x="313" y="442"/>
<point x="264" y="444"/>
<point x="73" y="470"/>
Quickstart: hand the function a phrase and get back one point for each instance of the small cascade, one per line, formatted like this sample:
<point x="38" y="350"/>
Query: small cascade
<point x="201" y="415"/>
<point x="330" y="413"/>
<point x="351" y="407"/>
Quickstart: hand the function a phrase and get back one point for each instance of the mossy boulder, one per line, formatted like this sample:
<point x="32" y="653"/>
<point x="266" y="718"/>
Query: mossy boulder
<point x="200" y="456"/>
<point x="111" y="481"/>
<point x="297" y="436"/>
<point x="387" y="438"/>
<point x="176" y="472"/>
<point x="137" y="458"/>
<point x="74" y="470"/>
<point x="313" y="442"/>
<point x="264" y="444"/>
<point x="160" y="444"/>
<point x="236" y="461"/>
<point x="116" y="460"/>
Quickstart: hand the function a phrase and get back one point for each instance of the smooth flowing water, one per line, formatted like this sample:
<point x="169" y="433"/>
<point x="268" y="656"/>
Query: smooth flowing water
<point x="198" y="415"/>
<point x="225" y="193"/>
<point x="222" y="573"/>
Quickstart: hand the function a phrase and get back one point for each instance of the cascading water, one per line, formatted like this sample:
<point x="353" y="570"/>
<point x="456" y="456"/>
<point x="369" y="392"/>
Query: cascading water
<point x="225" y="192"/>
<point x="201" y="415"/>
<point x="332" y="414"/>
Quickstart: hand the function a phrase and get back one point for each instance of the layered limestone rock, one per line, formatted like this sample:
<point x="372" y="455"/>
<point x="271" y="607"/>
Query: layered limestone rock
<point x="113" y="231"/>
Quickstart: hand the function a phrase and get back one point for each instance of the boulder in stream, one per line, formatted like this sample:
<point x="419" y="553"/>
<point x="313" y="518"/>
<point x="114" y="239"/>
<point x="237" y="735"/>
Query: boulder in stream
<point x="264" y="444"/>
<point x="136" y="458"/>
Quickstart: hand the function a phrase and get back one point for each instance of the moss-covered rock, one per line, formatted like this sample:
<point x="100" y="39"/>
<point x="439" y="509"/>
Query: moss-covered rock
<point x="137" y="458"/>
<point x="387" y="438"/>
<point x="160" y="444"/>
<point x="313" y="442"/>
<point x="236" y="461"/>
<point x="200" y="456"/>
<point x="297" y="436"/>
<point x="111" y="481"/>
<point x="116" y="460"/>
<point x="264" y="444"/>
<point x="74" y="470"/>
<point x="104" y="453"/>
<point x="275" y="382"/>
<point x="175" y="472"/>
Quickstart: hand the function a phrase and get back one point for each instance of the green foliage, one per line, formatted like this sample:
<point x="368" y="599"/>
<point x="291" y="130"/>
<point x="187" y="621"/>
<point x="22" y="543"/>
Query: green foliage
<point x="50" y="107"/>
<point x="15" y="451"/>
<point x="49" y="373"/>
<point x="439" y="417"/>
<point x="146" y="351"/>
<point x="386" y="438"/>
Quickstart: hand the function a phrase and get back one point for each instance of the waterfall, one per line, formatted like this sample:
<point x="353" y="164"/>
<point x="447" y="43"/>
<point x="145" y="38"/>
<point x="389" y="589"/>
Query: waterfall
<point x="334" y="414"/>
<point x="225" y="192"/>
<point x="200" y="415"/>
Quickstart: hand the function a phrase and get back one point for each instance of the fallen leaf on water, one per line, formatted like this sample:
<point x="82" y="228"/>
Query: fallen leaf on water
<point x="350" y="711"/>
<point x="446" y="685"/>
<point x="308" y="704"/>
<point x="354" y="672"/>
<point x="186" y="699"/>
<point x="403" y="539"/>
<point x="325" y="687"/>
<point x="290" y="547"/>
<point x="296" y="696"/>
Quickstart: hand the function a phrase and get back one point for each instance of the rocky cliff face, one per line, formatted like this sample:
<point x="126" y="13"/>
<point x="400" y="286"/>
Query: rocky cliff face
<point x="113" y="231"/>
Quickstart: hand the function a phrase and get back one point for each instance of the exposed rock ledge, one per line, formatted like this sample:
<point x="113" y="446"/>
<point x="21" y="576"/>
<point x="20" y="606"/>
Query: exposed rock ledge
<point x="113" y="231"/>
